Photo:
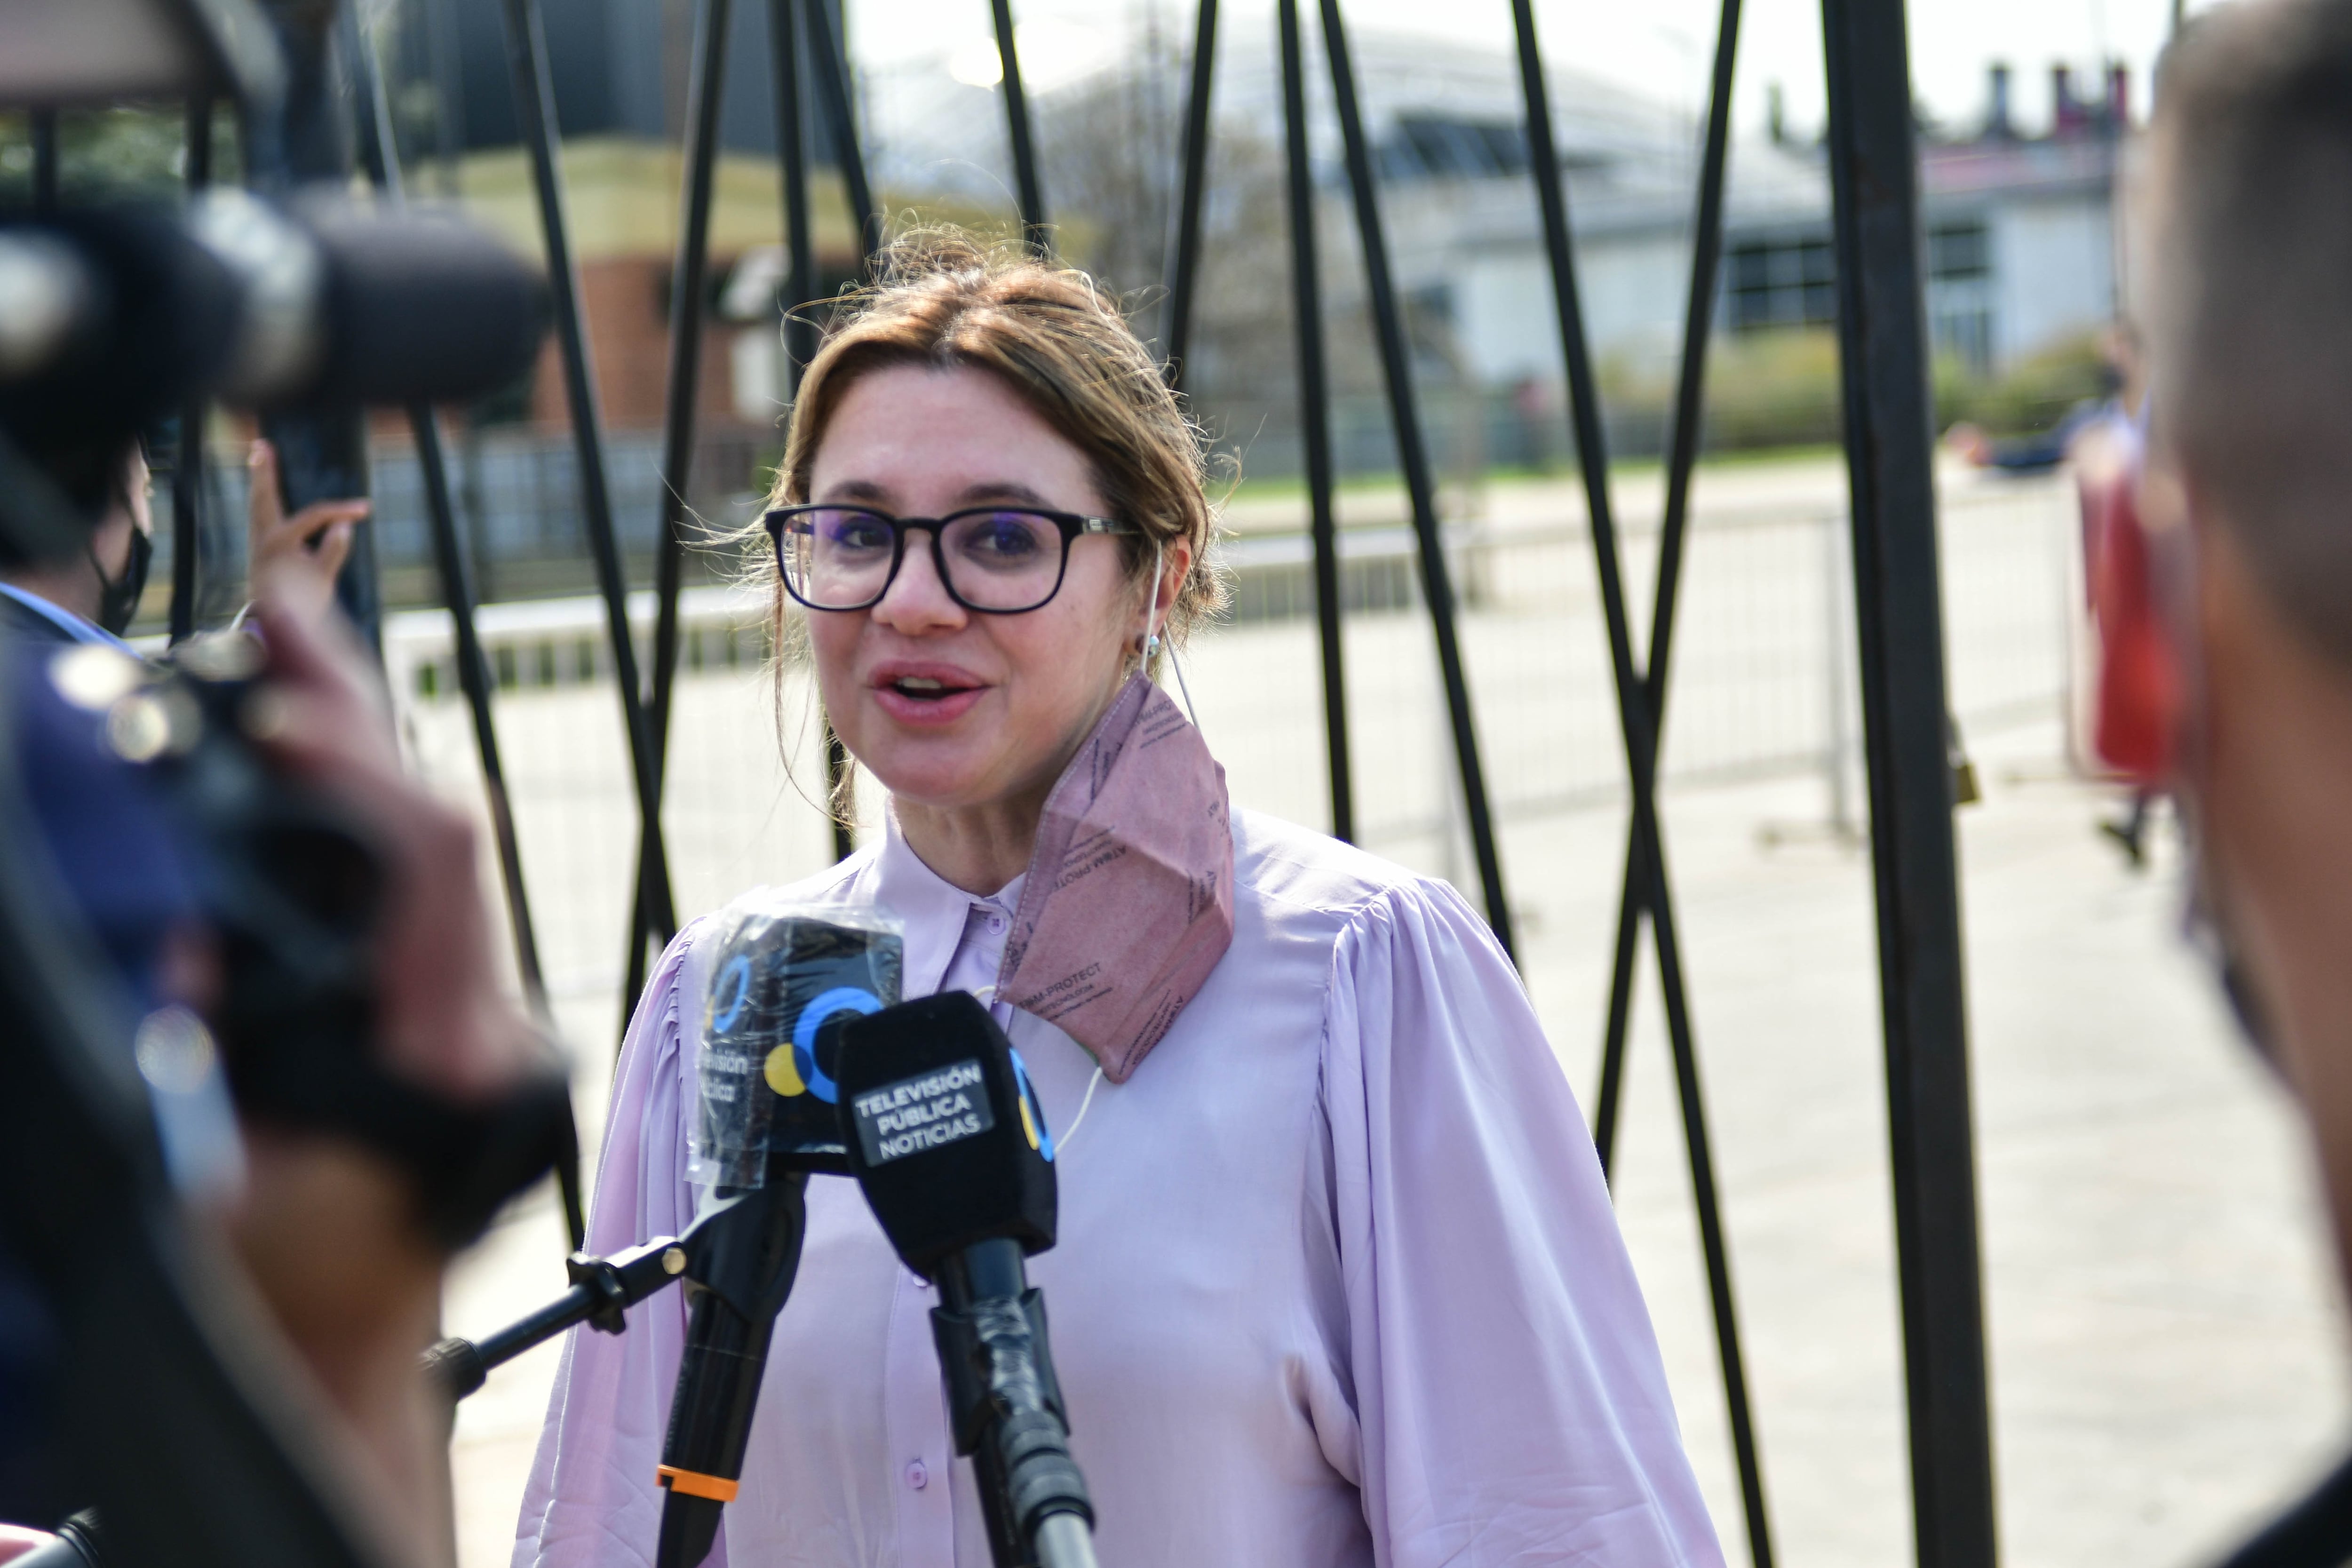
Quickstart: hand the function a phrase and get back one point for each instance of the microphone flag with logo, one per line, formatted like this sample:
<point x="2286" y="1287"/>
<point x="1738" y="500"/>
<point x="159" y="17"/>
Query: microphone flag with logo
<point x="782" y="978"/>
<point x="781" y="973"/>
<point x="945" y="1134"/>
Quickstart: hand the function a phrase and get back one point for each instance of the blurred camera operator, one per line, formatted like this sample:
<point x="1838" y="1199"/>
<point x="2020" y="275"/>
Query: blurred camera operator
<point x="90" y="598"/>
<point x="2226" y="612"/>
<point x="339" y="1233"/>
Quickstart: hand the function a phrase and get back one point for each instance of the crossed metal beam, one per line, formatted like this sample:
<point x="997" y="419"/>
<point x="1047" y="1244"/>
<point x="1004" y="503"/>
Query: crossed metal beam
<point x="1640" y="698"/>
<point x="458" y="592"/>
<point x="1396" y="364"/>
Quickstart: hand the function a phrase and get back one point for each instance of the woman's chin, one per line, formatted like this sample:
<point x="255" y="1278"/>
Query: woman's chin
<point x="934" y="777"/>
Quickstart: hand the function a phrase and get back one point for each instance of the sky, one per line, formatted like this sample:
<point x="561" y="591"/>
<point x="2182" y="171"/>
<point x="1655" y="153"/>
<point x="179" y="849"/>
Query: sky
<point x="1664" y="47"/>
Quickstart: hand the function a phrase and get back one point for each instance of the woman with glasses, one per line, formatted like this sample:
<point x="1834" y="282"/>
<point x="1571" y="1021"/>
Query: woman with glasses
<point x="1337" y="1281"/>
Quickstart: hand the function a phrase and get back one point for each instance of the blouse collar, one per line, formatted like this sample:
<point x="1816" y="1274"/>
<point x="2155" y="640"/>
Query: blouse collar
<point x="935" y="909"/>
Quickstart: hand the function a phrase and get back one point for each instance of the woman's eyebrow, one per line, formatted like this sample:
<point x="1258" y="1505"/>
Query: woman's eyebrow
<point x="1003" y="490"/>
<point x="862" y="490"/>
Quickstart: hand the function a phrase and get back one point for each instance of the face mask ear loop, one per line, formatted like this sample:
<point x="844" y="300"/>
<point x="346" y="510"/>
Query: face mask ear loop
<point x="1151" y="638"/>
<point x="1178" y="665"/>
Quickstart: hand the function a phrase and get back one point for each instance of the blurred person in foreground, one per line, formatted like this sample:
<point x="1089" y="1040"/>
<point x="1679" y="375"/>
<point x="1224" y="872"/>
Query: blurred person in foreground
<point x="334" y="1237"/>
<point x="1339" y="1283"/>
<point x="2228" y="623"/>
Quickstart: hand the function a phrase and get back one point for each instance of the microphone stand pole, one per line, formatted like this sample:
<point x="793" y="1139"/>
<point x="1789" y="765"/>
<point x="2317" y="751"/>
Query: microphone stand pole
<point x="1005" y="1407"/>
<point x="743" y="1279"/>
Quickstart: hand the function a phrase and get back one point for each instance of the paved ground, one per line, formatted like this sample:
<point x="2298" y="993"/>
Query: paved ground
<point x="2166" y="1339"/>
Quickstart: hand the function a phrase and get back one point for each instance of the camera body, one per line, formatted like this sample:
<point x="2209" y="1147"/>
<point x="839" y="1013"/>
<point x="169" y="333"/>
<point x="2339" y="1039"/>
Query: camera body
<point x="291" y="889"/>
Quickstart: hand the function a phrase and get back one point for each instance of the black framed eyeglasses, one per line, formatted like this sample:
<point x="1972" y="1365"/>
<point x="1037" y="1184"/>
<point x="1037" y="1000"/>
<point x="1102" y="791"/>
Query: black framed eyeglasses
<point x="996" y="560"/>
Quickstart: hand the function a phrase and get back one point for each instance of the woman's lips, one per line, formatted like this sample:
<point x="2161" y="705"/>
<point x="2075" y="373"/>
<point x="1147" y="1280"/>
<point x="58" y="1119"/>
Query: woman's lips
<point x="925" y="697"/>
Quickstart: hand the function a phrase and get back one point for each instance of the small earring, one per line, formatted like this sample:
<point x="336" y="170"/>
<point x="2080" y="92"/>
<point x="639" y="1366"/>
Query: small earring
<point x="1151" y="646"/>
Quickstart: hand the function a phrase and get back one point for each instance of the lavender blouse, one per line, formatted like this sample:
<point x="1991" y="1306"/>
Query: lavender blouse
<point x="1337" y="1285"/>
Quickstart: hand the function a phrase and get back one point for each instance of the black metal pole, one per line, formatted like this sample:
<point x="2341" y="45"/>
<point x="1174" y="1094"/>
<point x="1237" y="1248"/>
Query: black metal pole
<point x="832" y="90"/>
<point x="799" y="327"/>
<point x="1638" y="720"/>
<point x="474" y="679"/>
<point x="447" y="66"/>
<point x="188" y="462"/>
<point x="688" y="277"/>
<point x="1890" y="449"/>
<point x="473" y="668"/>
<point x="1016" y="126"/>
<point x="1315" y="419"/>
<point x="1184" y="273"/>
<point x="1689" y="427"/>
<point x="322" y="455"/>
<point x="841" y="119"/>
<point x="1396" y="362"/>
<point x="534" y="94"/>
<point x="800" y="239"/>
<point x="44" y="162"/>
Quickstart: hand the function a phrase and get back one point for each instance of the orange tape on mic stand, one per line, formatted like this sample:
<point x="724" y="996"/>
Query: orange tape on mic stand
<point x="693" y="1483"/>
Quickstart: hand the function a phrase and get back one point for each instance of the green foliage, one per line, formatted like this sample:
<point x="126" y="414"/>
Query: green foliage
<point x="1773" y="389"/>
<point x="115" y="154"/>
<point x="1780" y="388"/>
<point x="2033" y="395"/>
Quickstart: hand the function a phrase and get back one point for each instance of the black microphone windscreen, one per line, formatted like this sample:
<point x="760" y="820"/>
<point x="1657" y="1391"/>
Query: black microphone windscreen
<point x="420" y="306"/>
<point x="943" y="1130"/>
<point x="779" y="976"/>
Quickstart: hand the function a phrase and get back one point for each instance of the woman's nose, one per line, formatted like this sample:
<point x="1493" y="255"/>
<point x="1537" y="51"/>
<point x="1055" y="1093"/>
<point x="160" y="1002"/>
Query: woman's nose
<point x="916" y="601"/>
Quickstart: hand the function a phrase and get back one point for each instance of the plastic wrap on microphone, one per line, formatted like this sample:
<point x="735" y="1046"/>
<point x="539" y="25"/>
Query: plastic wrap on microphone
<point x="781" y="974"/>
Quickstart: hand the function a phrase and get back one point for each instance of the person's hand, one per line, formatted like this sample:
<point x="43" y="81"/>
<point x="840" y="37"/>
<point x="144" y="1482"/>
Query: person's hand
<point x="295" y="557"/>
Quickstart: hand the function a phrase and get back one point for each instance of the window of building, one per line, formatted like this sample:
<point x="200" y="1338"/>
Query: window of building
<point x="1959" y="293"/>
<point x="1958" y="250"/>
<point x="1792" y="281"/>
<point x="1782" y="283"/>
<point x="1434" y="147"/>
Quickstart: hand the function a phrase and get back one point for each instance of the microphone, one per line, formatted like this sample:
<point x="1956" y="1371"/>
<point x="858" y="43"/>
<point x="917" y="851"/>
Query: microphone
<point x="111" y="317"/>
<point x="946" y="1136"/>
<point x="782" y="978"/>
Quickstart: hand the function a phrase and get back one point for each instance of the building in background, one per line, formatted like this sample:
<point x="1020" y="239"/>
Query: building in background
<point x="2019" y="243"/>
<point x="2019" y="250"/>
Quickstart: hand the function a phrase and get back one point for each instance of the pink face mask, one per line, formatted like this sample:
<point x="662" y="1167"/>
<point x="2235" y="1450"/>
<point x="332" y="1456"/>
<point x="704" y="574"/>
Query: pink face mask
<point x="1130" y="898"/>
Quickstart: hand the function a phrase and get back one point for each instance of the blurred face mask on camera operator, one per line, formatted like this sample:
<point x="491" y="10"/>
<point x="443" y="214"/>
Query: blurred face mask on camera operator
<point x="100" y="584"/>
<point x="129" y="528"/>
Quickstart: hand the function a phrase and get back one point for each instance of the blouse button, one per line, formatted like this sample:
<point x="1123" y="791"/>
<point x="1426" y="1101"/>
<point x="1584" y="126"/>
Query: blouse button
<point x="996" y="922"/>
<point x="918" y="1475"/>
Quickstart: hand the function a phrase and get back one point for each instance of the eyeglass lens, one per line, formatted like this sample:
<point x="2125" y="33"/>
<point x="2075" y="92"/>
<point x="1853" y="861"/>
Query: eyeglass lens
<point x="840" y="557"/>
